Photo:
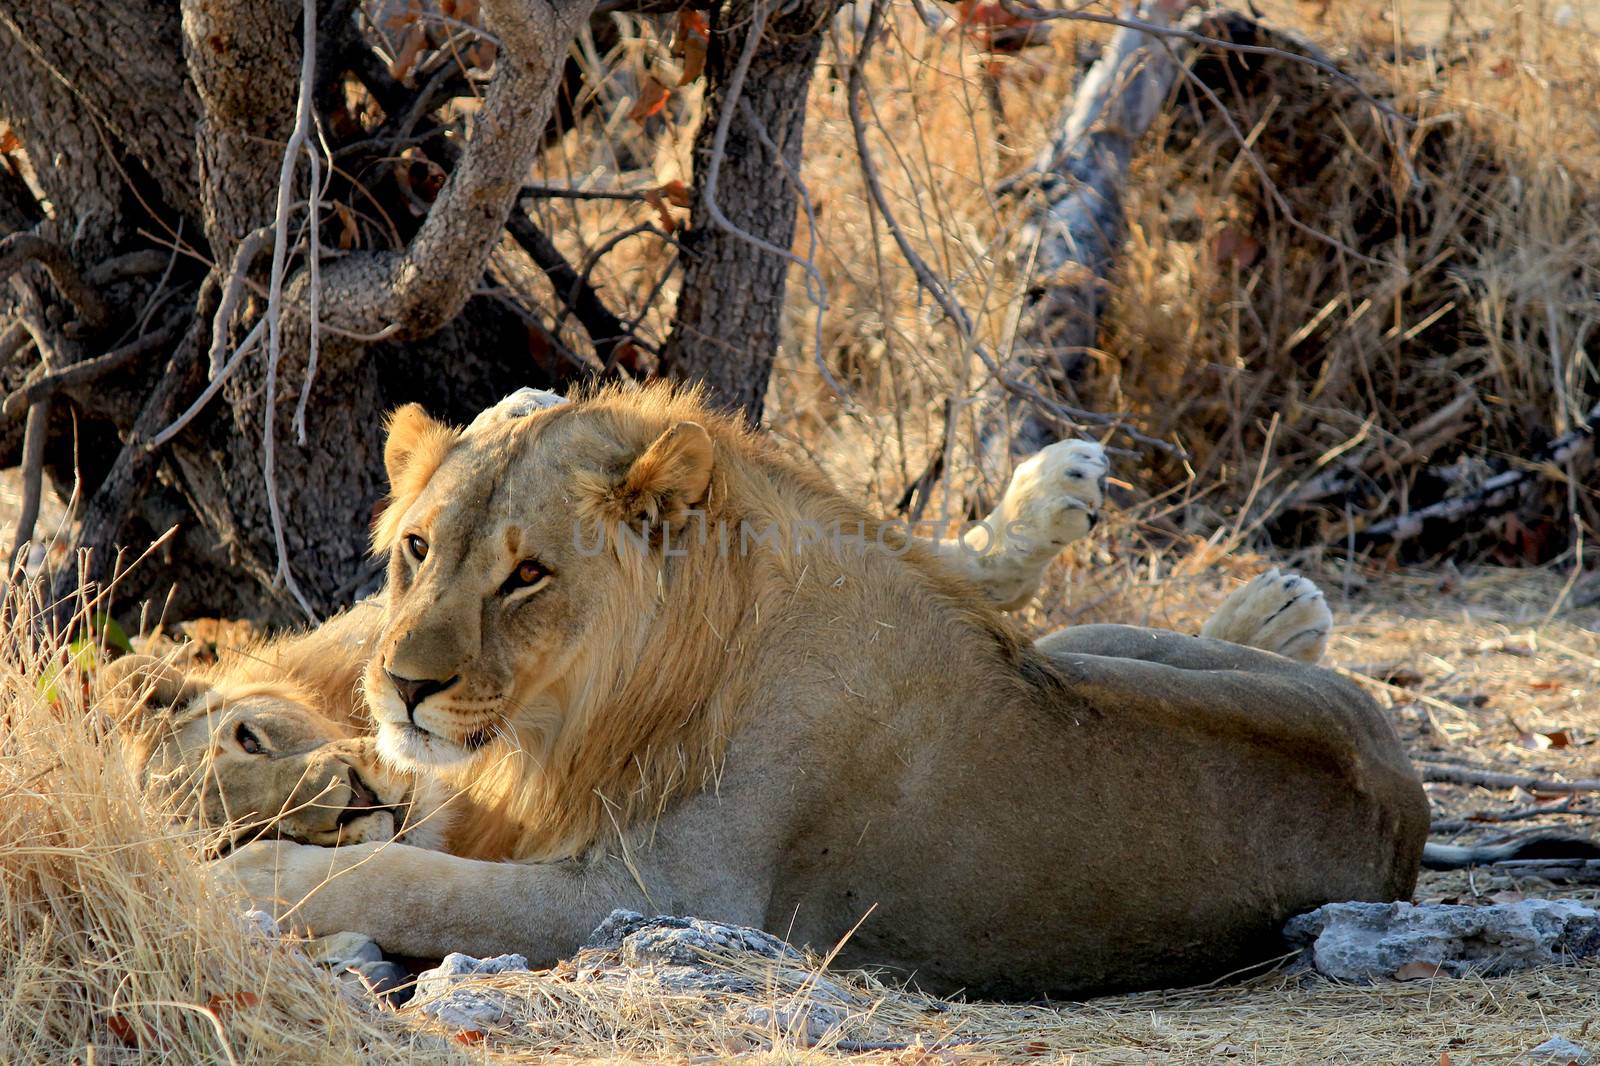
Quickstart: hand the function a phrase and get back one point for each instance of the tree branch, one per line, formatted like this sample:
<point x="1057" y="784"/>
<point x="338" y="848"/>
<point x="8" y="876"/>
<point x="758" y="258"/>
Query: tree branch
<point x="427" y="285"/>
<point x="605" y="329"/>
<point x="79" y="374"/>
<point x="20" y="249"/>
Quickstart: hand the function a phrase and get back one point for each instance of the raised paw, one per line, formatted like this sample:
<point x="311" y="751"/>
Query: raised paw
<point x="1055" y="496"/>
<point x="1279" y="612"/>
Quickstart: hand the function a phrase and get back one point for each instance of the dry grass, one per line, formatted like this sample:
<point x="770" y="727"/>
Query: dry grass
<point x="113" y="940"/>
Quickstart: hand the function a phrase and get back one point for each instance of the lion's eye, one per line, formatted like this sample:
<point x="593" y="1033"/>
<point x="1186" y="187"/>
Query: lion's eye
<point x="417" y="547"/>
<point x="528" y="573"/>
<point x="247" y="740"/>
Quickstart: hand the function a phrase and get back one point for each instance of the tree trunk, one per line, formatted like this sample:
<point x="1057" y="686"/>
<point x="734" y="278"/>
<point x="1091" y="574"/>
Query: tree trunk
<point x="138" y="118"/>
<point x="730" y="308"/>
<point x="159" y="133"/>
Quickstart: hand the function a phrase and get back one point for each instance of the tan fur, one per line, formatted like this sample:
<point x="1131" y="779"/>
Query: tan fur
<point x="831" y="741"/>
<point x="512" y="806"/>
<point x="300" y="696"/>
<point x="639" y="719"/>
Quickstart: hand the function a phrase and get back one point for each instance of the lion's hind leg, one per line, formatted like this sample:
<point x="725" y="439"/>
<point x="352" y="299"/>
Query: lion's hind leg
<point x="1279" y="612"/>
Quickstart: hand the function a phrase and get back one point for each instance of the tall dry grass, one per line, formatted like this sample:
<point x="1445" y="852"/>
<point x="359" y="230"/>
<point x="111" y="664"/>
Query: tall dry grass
<point x="1452" y="335"/>
<point x="113" y="945"/>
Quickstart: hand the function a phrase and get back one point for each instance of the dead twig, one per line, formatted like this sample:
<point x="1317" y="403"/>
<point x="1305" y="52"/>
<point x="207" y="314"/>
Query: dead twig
<point x="1496" y="494"/>
<point x="1446" y="774"/>
<point x="280" y="256"/>
<point x="605" y="329"/>
<point x="234" y="285"/>
<point x="33" y="443"/>
<point x="1565" y="808"/>
<point x="567" y="192"/>
<point x="1068" y="416"/>
<point x="20" y="249"/>
<point x="89" y="370"/>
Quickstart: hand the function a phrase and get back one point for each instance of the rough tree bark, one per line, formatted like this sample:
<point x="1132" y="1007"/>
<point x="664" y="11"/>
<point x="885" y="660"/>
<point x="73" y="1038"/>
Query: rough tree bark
<point x="157" y="133"/>
<point x="730" y="309"/>
<point x="140" y="117"/>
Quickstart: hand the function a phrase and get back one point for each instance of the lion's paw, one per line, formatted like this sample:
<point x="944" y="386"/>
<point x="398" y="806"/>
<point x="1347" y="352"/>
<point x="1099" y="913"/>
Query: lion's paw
<point x="1279" y="612"/>
<point x="1056" y="494"/>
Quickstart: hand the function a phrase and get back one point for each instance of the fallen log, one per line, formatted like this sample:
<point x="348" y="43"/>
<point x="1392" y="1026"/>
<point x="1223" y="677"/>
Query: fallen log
<point x="1076" y="227"/>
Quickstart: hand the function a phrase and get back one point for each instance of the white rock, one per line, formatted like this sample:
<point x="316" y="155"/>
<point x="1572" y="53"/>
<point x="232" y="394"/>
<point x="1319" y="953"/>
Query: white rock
<point x="260" y="923"/>
<point x="1369" y="941"/>
<point x="441" y="996"/>
<point x="1559" y="1051"/>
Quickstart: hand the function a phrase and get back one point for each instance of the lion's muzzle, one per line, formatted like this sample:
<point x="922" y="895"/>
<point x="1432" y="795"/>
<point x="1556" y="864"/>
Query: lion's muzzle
<point x="412" y="691"/>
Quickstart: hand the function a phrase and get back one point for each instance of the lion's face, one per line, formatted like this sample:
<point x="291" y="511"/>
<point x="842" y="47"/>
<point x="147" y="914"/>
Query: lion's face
<point x="255" y="760"/>
<point x="497" y="585"/>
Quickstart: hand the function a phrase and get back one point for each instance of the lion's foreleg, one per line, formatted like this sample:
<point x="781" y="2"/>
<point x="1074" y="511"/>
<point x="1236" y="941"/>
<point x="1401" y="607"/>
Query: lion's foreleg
<point x="426" y="903"/>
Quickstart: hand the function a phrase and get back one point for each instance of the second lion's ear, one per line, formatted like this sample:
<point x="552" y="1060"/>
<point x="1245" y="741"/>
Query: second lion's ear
<point x="141" y="689"/>
<point x="673" y="475"/>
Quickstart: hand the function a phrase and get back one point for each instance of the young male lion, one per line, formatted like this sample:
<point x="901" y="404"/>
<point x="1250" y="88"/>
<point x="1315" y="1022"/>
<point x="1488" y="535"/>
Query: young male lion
<point x="272" y="740"/>
<point x="809" y="732"/>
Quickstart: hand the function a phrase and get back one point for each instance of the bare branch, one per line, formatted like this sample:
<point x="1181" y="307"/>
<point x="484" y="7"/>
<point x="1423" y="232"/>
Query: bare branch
<point x="565" y="192"/>
<point x="32" y="478"/>
<point x="427" y="285"/>
<point x="280" y="256"/>
<point x="235" y="284"/>
<point x="925" y="275"/>
<point x="605" y="329"/>
<point x="79" y="374"/>
<point x="20" y="249"/>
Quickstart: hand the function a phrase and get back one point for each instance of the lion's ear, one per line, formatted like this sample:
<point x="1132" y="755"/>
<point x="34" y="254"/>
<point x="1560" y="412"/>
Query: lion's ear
<point x="141" y="689"/>
<point x="416" y="445"/>
<point x="672" y="475"/>
<point x="415" y="440"/>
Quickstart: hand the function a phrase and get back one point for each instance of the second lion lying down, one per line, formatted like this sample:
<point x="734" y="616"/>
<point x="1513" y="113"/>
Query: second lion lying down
<point x="793" y="737"/>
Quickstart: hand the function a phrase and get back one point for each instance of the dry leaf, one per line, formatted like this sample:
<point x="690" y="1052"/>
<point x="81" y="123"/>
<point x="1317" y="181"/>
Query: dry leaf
<point x="123" y="1030"/>
<point x="676" y="192"/>
<point x="654" y="198"/>
<point x="481" y="55"/>
<point x="404" y="17"/>
<point x="690" y="41"/>
<point x="469" y="1036"/>
<point x="1417" y="971"/>
<point x="224" y="1002"/>
<point x="410" y="48"/>
<point x="1507" y="896"/>
<point x="653" y="97"/>
<point x="628" y="356"/>
<point x="419" y="175"/>
<point x="1559" y="738"/>
<point x="1235" y="247"/>
<point x="9" y="141"/>
<point x="349" y="233"/>
<point x="1444" y="1058"/>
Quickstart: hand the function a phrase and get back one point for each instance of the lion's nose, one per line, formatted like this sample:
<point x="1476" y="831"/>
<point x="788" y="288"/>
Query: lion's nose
<point x="414" y="691"/>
